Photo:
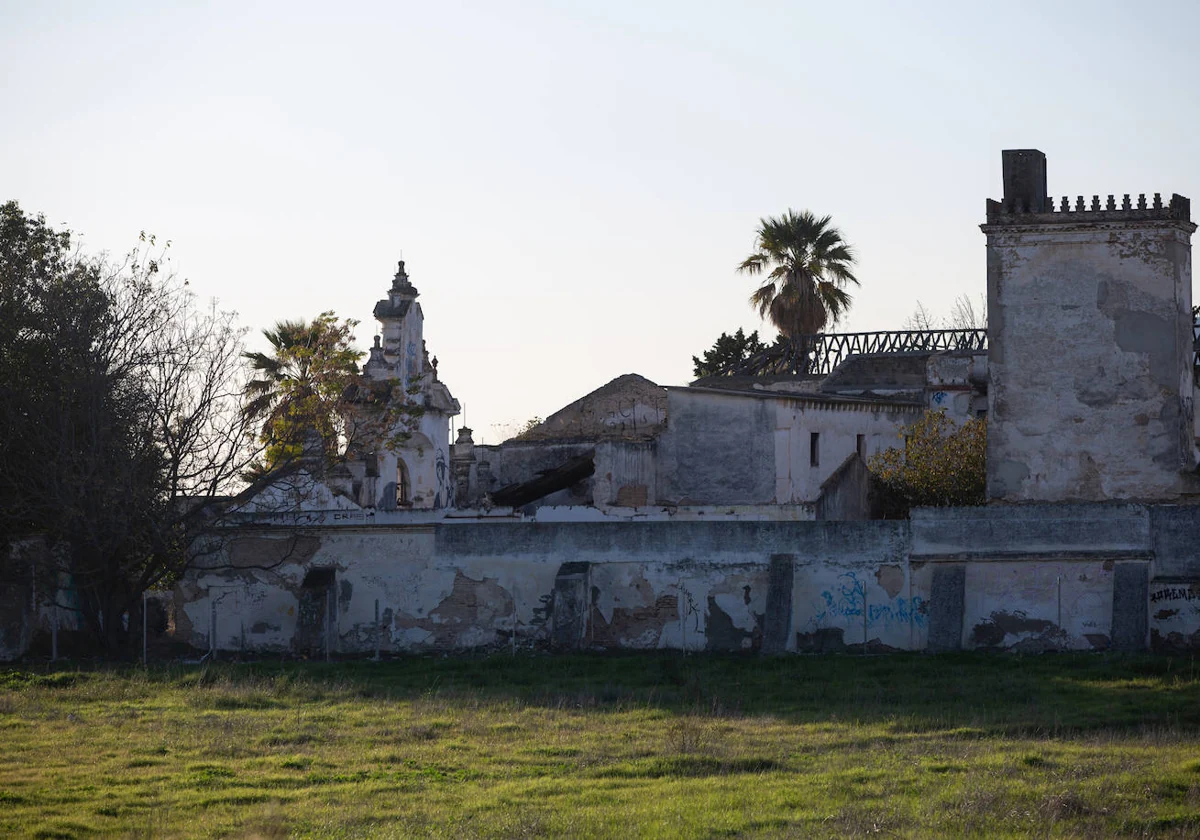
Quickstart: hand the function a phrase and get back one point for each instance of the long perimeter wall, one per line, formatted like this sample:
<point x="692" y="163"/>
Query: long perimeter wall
<point x="1030" y="578"/>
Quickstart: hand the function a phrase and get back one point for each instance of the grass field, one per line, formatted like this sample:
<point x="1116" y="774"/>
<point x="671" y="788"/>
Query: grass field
<point x="629" y="746"/>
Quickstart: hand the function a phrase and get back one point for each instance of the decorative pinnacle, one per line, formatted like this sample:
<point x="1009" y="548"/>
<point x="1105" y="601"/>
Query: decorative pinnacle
<point x="400" y="282"/>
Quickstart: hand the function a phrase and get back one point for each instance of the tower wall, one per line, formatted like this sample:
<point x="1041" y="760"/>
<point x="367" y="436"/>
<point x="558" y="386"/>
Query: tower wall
<point x="1090" y="344"/>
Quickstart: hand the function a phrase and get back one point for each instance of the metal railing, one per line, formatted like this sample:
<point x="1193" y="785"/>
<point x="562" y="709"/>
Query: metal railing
<point x="818" y="355"/>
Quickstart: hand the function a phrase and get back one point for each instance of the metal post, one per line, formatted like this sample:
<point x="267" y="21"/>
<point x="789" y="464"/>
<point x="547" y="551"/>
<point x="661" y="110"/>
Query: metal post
<point x="911" y="630"/>
<point x="328" y="625"/>
<point x="54" y="633"/>
<point x="514" y="620"/>
<point x="145" y="644"/>
<point x="864" y="591"/>
<point x="212" y="627"/>
<point x="378" y="630"/>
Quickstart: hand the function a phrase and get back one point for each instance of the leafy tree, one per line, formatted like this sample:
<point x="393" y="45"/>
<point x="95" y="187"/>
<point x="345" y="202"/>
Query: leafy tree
<point x="120" y="421"/>
<point x="941" y="464"/>
<point x="727" y="352"/>
<point x="302" y="387"/>
<point x="807" y="265"/>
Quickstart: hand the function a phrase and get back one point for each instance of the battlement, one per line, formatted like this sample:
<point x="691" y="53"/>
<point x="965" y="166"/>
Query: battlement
<point x="1018" y="211"/>
<point x="1026" y="201"/>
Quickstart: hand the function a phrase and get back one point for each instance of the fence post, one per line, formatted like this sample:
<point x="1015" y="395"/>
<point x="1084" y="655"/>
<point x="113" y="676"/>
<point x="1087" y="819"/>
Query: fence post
<point x="864" y="590"/>
<point x="145" y="644"/>
<point x="378" y="630"/>
<point x="212" y="627"/>
<point x="54" y="633"/>
<point x="328" y="624"/>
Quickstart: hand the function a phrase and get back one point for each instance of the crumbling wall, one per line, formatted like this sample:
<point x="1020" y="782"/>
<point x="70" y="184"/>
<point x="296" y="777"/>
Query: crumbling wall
<point x="1023" y="578"/>
<point x="626" y="474"/>
<point x="1036" y="577"/>
<point x="690" y="585"/>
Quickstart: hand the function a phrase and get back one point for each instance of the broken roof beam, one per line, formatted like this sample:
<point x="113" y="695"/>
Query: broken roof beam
<point x="549" y="481"/>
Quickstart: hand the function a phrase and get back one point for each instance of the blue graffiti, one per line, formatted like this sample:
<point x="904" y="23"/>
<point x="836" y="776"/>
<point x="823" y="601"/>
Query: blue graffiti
<point x="847" y="598"/>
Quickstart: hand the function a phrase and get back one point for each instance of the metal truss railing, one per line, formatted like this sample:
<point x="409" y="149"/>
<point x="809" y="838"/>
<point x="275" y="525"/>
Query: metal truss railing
<point x="820" y="354"/>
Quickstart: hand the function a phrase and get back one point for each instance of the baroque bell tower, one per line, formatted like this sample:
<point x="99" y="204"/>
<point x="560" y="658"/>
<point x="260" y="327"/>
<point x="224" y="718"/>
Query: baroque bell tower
<point x="415" y="473"/>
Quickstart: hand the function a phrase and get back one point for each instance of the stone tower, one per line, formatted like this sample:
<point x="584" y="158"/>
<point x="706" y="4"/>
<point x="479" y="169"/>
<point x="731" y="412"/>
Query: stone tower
<point x="1089" y="344"/>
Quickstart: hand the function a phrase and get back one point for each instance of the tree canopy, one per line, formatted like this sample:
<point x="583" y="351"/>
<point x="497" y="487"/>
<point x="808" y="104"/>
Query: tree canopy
<point x="941" y="464"/>
<point x="727" y="352"/>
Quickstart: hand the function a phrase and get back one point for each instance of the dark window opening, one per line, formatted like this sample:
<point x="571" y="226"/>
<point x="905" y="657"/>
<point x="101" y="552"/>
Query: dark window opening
<point x="814" y="449"/>
<point x="860" y="445"/>
<point x="321" y="577"/>
<point x="403" y="487"/>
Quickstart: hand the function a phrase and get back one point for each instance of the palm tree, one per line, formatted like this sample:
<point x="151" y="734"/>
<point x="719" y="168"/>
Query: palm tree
<point x="810" y="266"/>
<point x="300" y="385"/>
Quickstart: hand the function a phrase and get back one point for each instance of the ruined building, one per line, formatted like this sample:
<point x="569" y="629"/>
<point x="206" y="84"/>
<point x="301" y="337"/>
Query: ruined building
<point x="730" y="514"/>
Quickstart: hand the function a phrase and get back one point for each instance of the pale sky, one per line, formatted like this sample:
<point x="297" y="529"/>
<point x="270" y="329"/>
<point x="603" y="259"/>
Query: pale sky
<point x="573" y="184"/>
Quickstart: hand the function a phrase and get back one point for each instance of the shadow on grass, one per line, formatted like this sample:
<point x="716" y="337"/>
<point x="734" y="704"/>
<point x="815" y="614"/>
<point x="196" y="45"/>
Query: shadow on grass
<point x="976" y="694"/>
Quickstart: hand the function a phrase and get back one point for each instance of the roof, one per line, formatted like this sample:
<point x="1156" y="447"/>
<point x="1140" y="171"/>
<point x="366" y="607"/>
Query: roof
<point x="814" y="399"/>
<point x="630" y="407"/>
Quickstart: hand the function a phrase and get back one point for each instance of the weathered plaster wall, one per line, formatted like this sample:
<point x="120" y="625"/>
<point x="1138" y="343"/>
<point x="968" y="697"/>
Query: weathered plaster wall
<point x="956" y="382"/>
<point x="1027" y="578"/>
<point x="1035" y="607"/>
<point x="626" y="474"/>
<point x="731" y="447"/>
<point x="1090" y="393"/>
<point x="846" y="495"/>
<point x="426" y="454"/>
<point x="691" y="585"/>
<point x="1035" y="577"/>
<point x="797" y="479"/>
<point x="718" y="448"/>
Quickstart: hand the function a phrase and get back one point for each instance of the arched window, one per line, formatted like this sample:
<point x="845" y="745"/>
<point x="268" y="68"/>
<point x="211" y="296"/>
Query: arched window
<point x="403" y="485"/>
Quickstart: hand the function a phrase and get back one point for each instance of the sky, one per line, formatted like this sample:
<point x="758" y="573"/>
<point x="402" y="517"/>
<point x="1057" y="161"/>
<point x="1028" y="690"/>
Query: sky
<point x="572" y="185"/>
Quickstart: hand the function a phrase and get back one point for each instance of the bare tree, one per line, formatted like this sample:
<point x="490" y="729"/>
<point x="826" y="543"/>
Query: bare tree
<point x="121" y="431"/>
<point x="965" y="314"/>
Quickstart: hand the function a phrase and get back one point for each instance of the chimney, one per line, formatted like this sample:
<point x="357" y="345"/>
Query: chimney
<point x="1025" y="181"/>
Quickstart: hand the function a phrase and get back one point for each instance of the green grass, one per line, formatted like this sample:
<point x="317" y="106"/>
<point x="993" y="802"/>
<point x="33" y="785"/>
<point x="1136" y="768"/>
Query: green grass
<point x="619" y="746"/>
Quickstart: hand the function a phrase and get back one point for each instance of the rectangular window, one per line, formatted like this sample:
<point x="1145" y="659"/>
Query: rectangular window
<point x="814" y="449"/>
<point x="860" y="444"/>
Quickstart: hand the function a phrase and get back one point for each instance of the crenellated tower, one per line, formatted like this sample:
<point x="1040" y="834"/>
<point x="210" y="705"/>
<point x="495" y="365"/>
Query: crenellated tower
<point x="1089" y="344"/>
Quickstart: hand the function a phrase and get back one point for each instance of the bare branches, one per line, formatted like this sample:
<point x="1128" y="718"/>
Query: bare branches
<point x="121" y="429"/>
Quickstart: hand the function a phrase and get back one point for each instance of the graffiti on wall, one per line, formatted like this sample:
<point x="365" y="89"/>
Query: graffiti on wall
<point x="847" y="600"/>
